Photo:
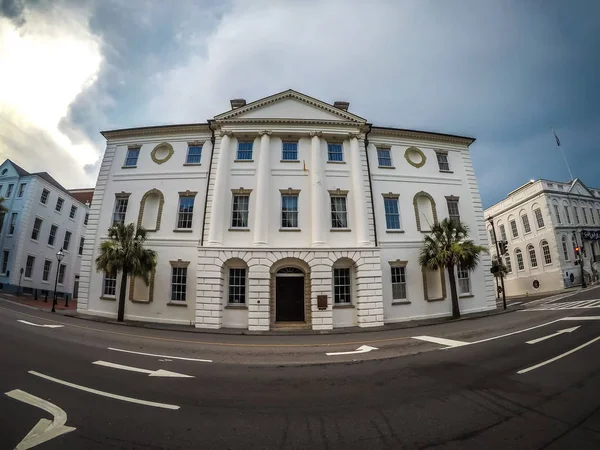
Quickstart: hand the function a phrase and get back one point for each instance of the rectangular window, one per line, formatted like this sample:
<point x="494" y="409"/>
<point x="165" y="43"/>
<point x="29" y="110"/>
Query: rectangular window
<point x="132" y="157"/>
<point x="185" y="213"/>
<point x="567" y="215"/>
<point x="442" y="159"/>
<point x="47" y="269"/>
<point x="392" y="213"/>
<point x="453" y="212"/>
<point x="194" y="154"/>
<point x="244" y="151"/>
<point x="13" y="223"/>
<point x="120" y="210"/>
<point x="289" y="151"/>
<point x="557" y="212"/>
<point x="37" y="226"/>
<point x="464" y="283"/>
<point x="44" y="197"/>
<point x="178" y="283"/>
<point x="339" y="213"/>
<point x="237" y="286"/>
<point x="109" y="284"/>
<point x="239" y="211"/>
<point x="62" y="269"/>
<point x="21" y="190"/>
<point x="67" y="240"/>
<point x="508" y="264"/>
<point x="384" y="157"/>
<point x="520" y="263"/>
<point x="502" y="232"/>
<point x="398" y="283"/>
<point x="87" y="217"/>
<point x="73" y="211"/>
<point x="335" y="152"/>
<point x="539" y="218"/>
<point x="546" y="253"/>
<point x="526" y="226"/>
<point x="342" y="289"/>
<point x="59" y="204"/>
<point x="9" y="190"/>
<point x="576" y="214"/>
<point x="5" y="256"/>
<point x="29" y="266"/>
<point x="81" y="242"/>
<point x="289" y="211"/>
<point x="514" y="229"/>
<point x="532" y="256"/>
<point x="52" y="235"/>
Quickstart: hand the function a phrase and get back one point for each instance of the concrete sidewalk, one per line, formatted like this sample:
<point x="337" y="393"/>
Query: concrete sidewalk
<point x="41" y="303"/>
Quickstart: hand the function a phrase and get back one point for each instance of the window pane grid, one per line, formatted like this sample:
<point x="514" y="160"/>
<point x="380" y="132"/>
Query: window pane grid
<point x="384" y="157"/>
<point x="392" y="214"/>
<point x="519" y="257"/>
<point x="109" y="287"/>
<point x="194" y="154"/>
<point x="178" y="283"/>
<point x="289" y="151"/>
<point x="45" y="194"/>
<point x="398" y="283"/>
<point x="47" y="269"/>
<point x="239" y="217"/>
<point x="52" y="235"/>
<point x="514" y="229"/>
<point x="453" y="212"/>
<point x="557" y="212"/>
<point x="508" y="264"/>
<point x="339" y="214"/>
<point x="120" y="211"/>
<point x="132" y="157"/>
<point x="335" y="152"/>
<point x="13" y="223"/>
<point x="289" y="211"/>
<point x="546" y="252"/>
<point x="237" y="286"/>
<point x="565" y="248"/>
<point x="37" y="225"/>
<point x="442" y="159"/>
<point x="341" y="285"/>
<point x="502" y="232"/>
<point x="67" y="240"/>
<point x="567" y="215"/>
<point x="526" y="225"/>
<point x="186" y="212"/>
<point x="73" y="212"/>
<point x="244" y="150"/>
<point x="5" y="257"/>
<point x="29" y="266"/>
<point x="532" y="257"/>
<point x="464" y="283"/>
<point x="539" y="218"/>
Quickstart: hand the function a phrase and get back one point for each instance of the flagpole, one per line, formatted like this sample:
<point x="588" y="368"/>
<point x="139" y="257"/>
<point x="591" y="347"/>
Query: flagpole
<point x="563" y="154"/>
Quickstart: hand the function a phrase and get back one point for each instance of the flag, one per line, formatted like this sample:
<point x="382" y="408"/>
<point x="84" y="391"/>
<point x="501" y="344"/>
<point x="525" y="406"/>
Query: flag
<point x="556" y="137"/>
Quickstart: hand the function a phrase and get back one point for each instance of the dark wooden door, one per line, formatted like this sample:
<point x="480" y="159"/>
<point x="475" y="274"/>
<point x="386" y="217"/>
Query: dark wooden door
<point x="289" y="299"/>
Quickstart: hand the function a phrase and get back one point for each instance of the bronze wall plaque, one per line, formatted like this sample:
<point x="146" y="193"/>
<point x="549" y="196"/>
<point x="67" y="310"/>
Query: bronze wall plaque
<point x="322" y="301"/>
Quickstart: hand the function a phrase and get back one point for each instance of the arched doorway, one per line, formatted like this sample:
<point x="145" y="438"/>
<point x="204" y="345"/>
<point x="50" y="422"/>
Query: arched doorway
<point x="289" y="295"/>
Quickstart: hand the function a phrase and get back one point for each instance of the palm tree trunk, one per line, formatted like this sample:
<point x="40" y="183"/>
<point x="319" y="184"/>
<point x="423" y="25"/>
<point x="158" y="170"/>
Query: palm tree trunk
<point x="122" y="291"/>
<point x="453" y="292"/>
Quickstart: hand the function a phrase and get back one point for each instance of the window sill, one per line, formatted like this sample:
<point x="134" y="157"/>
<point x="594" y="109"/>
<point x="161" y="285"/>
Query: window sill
<point x="102" y="297"/>
<point x="50" y="245"/>
<point x="400" y="302"/>
<point x="343" y="306"/>
<point x="466" y="296"/>
<point x="290" y="229"/>
<point x="43" y="204"/>
<point x="446" y="171"/>
<point x="441" y="299"/>
<point x="394" y="231"/>
<point x="128" y="167"/>
<point x="45" y="282"/>
<point x="132" y="300"/>
<point x="58" y="212"/>
<point x="177" y="303"/>
<point x="37" y="241"/>
<point x="340" y="229"/>
<point x="290" y="161"/>
<point x="239" y="229"/>
<point x="192" y="164"/>
<point x="242" y="307"/>
<point x="336" y="162"/>
<point x="183" y="230"/>
<point x="386" y="167"/>
<point x="243" y="160"/>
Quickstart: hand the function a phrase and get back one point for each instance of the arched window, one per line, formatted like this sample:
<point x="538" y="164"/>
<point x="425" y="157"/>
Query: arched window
<point x="532" y="257"/>
<point x="546" y="252"/>
<point x="557" y="212"/>
<point x="502" y="229"/>
<point x="565" y="248"/>
<point x="508" y="264"/>
<point x="519" y="258"/>
<point x="151" y="207"/>
<point x="525" y="221"/>
<point x="425" y="211"/>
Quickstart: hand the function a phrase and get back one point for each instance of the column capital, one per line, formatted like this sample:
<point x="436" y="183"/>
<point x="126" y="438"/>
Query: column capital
<point x="225" y="133"/>
<point x="316" y="133"/>
<point x="355" y="135"/>
<point x="265" y="132"/>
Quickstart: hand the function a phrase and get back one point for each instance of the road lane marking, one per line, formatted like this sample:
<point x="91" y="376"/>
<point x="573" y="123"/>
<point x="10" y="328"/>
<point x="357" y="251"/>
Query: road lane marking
<point x="558" y="333"/>
<point x="160" y="356"/>
<point x="582" y="318"/>
<point x="442" y="341"/>
<point x="104" y="394"/>
<point x="36" y="325"/>
<point x="152" y="373"/>
<point x="45" y="429"/>
<point x="556" y="358"/>
<point x="515" y="332"/>
<point x="361" y="349"/>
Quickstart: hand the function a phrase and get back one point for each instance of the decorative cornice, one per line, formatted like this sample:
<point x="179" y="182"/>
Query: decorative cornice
<point x="398" y="263"/>
<point x="452" y="197"/>
<point x="410" y="150"/>
<point x="188" y="193"/>
<point x="122" y="194"/>
<point x="179" y="263"/>
<point x="199" y="143"/>
<point x="338" y="191"/>
<point x="315" y="133"/>
<point x="134" y="146"/>
<point x="157" y="130"/>
<point x="241" y="191"/>
<point x="421" y="135"/>
<point x="162" y="146"/>
<point x="390" y="195"/>
<point x="290" y="191"/>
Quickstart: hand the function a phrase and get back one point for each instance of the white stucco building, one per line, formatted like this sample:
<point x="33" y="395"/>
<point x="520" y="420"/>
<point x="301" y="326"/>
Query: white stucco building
<point x="287" y="212"/>
<point x="42" y="218"/>
<point x="543" y="222"/>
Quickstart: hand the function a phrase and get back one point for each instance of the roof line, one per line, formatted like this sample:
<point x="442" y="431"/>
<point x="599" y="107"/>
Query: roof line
<point x="472" y="139"/>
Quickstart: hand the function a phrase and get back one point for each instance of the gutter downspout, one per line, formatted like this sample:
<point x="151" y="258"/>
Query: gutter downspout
<point x="370" y="183"/>
<point x="212" y="152"/>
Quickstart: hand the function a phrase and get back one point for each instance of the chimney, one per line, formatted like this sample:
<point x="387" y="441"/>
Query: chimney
<point x="342" y="105"/>
<point x="237" y="103"/>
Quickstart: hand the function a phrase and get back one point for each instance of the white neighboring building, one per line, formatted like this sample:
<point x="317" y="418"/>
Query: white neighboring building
<point x="42" y="217"/>
<point x="543" y="221"/>
<point x="286" y="212"/>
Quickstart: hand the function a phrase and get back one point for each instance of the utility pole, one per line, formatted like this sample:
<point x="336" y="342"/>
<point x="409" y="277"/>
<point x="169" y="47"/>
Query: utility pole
<point x="491" y="220"/>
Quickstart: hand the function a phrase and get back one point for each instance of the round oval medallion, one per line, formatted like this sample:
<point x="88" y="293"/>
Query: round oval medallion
<point x="536" y="284"/>
<point x="415" y="157"/>
<point x="161" y="153"/>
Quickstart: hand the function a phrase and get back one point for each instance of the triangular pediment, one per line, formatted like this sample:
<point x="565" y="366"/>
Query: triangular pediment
<point x="9" y="169"/>
<point x="290" y="105"/>
<point x="577" y="187"/>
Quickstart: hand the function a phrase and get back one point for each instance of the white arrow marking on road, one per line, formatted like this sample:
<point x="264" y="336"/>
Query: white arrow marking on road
<point x="152" y="373"/>
<point x="556" y="358"/>
<point x="558" y="333"/>
<point x="361" y="349"/>
<point x="44" y="430"/>
<point x="160" y="356"/>
<point x="37" y="325"/>
<point x="441" y="341"/>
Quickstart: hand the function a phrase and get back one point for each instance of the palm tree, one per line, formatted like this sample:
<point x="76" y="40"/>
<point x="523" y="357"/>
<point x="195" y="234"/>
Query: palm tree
<point x="447" y="247"/>
<point x="124" y="252"/>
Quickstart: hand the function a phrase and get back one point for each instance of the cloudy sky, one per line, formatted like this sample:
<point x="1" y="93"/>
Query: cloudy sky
<point x="505" y="72"/>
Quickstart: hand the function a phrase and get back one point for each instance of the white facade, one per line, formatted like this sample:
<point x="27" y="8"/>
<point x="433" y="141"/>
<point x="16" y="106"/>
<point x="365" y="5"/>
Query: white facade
<point x="550" y="219"/>
<point x="25" y="240"/>
<point x="259" y="267"/>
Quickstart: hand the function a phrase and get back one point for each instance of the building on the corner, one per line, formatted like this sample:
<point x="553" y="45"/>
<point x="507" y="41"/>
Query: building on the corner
<point x="543" y="222"/>
<point x="41" y="218"/>
<point x="287" y="212"/>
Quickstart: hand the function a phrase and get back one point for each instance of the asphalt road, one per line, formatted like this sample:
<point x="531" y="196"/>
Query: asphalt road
<point x="286" y="393"/>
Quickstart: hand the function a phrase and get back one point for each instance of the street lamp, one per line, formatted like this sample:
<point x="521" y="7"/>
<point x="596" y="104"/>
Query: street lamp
<point x="59" y="256"/>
